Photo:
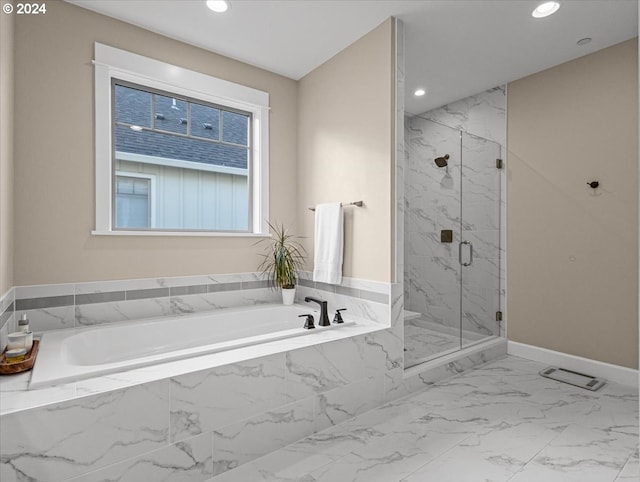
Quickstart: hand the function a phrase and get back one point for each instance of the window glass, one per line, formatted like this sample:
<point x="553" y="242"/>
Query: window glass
<point x="170" y="114"/>
<point x="202" y="182"/>
<point x="205" y="121"/>
<point x="138" y="102"/>
<point x="235" y="128"/>
<point x="132" y="202"/>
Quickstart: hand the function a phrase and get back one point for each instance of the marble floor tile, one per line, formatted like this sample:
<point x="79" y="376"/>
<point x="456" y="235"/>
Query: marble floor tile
<point x="494" y="455"/>
<point x="580" y="454"/>
<point x="282" y="466"/>
<point x="499" y="422"/>
<point x="631" y="470"/>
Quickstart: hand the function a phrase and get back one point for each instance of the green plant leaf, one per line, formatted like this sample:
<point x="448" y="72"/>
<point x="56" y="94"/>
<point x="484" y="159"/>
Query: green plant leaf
<point x="284" y="256"/>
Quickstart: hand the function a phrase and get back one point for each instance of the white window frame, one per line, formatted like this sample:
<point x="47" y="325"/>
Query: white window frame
<point x="115" y="63"/>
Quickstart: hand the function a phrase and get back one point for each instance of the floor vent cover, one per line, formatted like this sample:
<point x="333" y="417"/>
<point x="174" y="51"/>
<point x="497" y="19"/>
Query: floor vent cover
<point x="573" y="378"/>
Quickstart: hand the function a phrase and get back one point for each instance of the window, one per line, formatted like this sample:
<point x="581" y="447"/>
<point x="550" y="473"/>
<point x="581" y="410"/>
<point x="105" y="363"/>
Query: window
<point x="134" y="201"/>
<point x="177" y="152"/>
<point x="199" y="153"/>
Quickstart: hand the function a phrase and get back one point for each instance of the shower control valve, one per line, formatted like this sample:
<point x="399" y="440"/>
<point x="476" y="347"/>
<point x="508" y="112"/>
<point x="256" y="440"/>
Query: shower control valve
<point x="593" y="184"/>
<point x="337" y="318"/>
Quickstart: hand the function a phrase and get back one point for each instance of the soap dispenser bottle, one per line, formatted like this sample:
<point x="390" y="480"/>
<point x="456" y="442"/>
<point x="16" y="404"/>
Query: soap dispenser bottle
<point x="23" y="324"/>
<point x="23" y="327"/>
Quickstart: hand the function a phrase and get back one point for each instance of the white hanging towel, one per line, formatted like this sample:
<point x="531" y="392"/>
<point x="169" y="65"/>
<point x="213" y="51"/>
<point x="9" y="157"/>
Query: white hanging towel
<point x="328" y="243"/>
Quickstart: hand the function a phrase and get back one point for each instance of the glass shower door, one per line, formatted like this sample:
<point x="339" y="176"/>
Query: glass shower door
<point x="432" y="275"/>
<point x="452" y="233"/>
<point x="479" y="251"/>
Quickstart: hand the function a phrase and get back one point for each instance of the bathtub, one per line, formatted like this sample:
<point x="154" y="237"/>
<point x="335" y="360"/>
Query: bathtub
<point x="80" y="353"/>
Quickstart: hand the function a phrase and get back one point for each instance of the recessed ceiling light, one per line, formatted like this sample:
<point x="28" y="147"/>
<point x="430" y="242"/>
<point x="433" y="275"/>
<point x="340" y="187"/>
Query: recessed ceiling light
<point x="419" y="92"/>
<point x="545" y="9"/>
<point x="584" y="41"/>
<point x="218" y="6"/>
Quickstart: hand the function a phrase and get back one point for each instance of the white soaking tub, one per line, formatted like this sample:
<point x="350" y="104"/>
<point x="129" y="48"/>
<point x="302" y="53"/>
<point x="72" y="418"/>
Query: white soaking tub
<point x="79" y="353"/>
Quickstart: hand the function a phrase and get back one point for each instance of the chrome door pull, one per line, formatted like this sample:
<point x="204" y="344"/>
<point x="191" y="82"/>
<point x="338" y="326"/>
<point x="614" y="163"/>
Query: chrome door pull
<point x="470" y="253"/>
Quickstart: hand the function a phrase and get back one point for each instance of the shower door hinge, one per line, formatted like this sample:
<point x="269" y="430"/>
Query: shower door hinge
<point x="498" y="163"/>
<point x="498" y="315"/>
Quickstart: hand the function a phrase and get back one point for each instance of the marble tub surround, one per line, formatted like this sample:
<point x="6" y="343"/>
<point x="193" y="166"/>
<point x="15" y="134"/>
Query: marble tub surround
<point x="72" y="305"/>
<point x="249" y="402"/>
<point x="359" y="307"/>
<point x="72" y="355"/>
<point x="135" y="416"/>
<point x="219" y="411"/>
<point x="59" y="306"/>
<point x="500" y="422"/>
<point x="13" y="390"/>
<point x="15" y="394"/>
<point x="190" y="460"/>
<point x="356" y="296"/>
<point x="247" y="407"/>
<point x="356" y="288"/>
<point x="7" y="317"/>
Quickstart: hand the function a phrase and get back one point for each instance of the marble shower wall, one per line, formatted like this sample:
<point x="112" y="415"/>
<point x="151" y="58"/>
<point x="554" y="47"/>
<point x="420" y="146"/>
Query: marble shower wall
<point x="483" y="115"/>
<point x="472" y="131"/>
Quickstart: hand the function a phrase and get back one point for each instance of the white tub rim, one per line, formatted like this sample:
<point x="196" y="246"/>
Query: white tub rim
<point x="354" y="327"/>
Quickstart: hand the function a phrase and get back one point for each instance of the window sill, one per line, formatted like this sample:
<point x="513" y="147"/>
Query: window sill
<point x="193" y="234"/>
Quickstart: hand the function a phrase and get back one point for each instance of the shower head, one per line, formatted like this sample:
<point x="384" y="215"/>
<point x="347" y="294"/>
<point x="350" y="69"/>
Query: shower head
<point x="442" y="161"/>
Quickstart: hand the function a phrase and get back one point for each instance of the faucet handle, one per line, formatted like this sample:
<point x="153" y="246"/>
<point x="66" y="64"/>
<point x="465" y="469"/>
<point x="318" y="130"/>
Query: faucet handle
<point x="308" y="324"/>
<point x="338" y="317"/>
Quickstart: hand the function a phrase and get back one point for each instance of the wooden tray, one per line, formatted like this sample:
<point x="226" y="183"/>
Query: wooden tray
<point x="23" y="366"/>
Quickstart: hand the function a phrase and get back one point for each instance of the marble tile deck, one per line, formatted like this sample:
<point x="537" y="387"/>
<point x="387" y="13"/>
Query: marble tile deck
<point x="499" y="422"/>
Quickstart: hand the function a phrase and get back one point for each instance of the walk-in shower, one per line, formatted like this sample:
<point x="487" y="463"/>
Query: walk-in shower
<point x="452" y="240"/>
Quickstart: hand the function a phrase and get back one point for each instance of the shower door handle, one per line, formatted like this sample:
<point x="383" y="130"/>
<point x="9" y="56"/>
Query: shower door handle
<point x="470" y="253"/>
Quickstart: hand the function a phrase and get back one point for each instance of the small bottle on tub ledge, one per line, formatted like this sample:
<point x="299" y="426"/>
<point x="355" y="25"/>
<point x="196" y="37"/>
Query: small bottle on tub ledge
<point x="23" y="324"/>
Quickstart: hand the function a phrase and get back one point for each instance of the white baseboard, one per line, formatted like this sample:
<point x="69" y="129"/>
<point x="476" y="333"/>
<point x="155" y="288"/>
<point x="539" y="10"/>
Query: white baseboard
<point x="613" y="373"/>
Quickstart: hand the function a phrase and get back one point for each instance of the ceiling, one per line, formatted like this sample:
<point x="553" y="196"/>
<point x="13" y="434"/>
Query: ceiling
<point x="454" y="48"/>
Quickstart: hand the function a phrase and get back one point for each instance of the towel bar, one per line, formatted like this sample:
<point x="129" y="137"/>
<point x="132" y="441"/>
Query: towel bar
<point x="354" y="203"/>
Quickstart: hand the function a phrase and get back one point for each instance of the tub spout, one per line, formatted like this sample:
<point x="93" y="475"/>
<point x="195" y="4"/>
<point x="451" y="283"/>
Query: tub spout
<point x="324" y="317"/>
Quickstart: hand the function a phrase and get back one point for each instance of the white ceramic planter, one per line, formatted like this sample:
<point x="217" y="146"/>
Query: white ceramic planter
<point x="288" y="295"/>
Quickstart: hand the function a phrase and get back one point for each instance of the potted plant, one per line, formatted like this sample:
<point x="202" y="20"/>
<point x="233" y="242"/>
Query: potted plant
<point x="283" y="257"/>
